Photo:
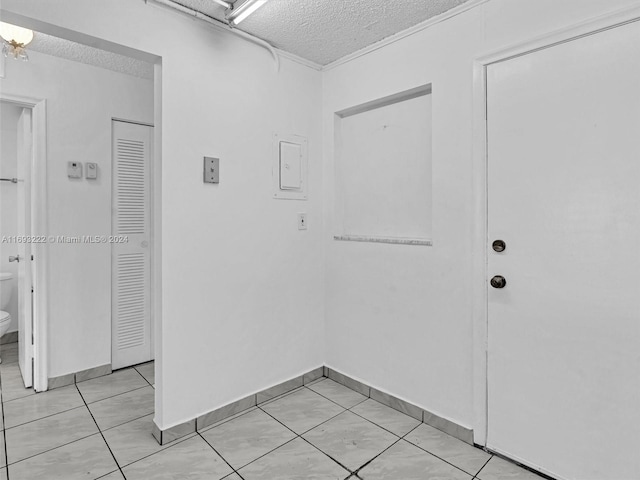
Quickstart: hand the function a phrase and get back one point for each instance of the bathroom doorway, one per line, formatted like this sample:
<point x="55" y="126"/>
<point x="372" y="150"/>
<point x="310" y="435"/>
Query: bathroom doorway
<point x="23" y="260"/>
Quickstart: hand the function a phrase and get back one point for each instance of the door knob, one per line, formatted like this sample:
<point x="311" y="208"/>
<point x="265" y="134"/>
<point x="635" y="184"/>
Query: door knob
<point x="498" y="245"/>
<point x="498" y="281"/>
<point x="15" y="259"/>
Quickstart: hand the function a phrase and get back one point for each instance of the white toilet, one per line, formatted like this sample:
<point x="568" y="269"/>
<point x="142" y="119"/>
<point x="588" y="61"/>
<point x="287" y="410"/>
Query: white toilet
<point x="6" y="287"/>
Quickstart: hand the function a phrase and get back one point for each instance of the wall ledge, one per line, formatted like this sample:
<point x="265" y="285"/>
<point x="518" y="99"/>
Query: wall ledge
<point x="391" y="240"/>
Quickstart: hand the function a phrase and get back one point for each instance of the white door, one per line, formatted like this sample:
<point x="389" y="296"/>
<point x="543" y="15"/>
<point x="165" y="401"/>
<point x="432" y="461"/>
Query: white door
<point x="131" y="274"/>
<point x="25" y="274"/>
<point x="564" y="195"/>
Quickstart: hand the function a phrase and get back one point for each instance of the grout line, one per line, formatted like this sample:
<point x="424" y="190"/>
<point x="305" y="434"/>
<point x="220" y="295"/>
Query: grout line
<point x="327" y="455"/>
<point x="169" y="445"/>
<point x="438" y="457"/>
<point x="264" y="454"/>
<point x="306" y="431"/>
<point x="40" y="418"/>
<point x="405" y="435"/>
<point x="365" y="418"/>
<point x="333" y="401"/>
<point x="116" y="395"/>
<point x="106" y="475"/>
<point x="227" y="420"/>
<point x="278" y="397"/>
<point x="357" y="470"/>
<point x="128" y="421"/>
<point x="101" y="434"/>
<point x="220" y="455"/>
<point x="20" y="398"/>
<point x="145" y="378"/>
<point x="300" y="436"/>
<point x="4" y="430"/>
<point x="485" y="464"/>
<point x="54" y="448"/>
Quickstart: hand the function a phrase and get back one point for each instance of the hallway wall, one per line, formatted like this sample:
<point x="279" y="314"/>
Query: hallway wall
<point x="242" y="287"/>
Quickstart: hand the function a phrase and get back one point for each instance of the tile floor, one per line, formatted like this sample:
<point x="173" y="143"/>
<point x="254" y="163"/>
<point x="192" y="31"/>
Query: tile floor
<point x="101" y="428"/>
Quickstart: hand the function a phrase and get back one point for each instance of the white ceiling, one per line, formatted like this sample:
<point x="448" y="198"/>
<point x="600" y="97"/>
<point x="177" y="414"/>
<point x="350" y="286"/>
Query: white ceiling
<point x="59" y="47"/>
<point x="321" y="31"/>
<point x="325" y="30"/>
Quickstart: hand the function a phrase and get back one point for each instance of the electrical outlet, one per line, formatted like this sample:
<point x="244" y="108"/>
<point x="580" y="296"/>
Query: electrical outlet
<point x="302" y="221"/>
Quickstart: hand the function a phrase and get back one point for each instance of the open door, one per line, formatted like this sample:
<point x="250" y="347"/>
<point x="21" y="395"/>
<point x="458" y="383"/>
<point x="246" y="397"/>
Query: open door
<point x="25" y="273"/>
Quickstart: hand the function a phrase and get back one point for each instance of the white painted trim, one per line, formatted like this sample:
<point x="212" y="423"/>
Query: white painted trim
<point x="480" y="189"/>
<point x="156" y="245"/>
<point x="406" y="33"/>
<point x="298" y="59"/>
<point x="584" y="28"/>
<point x="40" y="223"/>
<point x="479" y="255"/>
<point x="134" y="122"/>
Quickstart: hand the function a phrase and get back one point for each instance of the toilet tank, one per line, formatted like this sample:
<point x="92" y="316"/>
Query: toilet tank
<point x="6" y="286"/>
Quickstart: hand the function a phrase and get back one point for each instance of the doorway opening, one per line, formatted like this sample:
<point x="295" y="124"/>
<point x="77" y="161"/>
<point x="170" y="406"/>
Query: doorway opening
<point x="23" y="261"/>
<point x="88" y="89"/>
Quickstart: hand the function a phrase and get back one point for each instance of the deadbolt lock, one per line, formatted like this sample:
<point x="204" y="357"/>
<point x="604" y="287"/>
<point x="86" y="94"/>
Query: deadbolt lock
<point x="499" y="245"/>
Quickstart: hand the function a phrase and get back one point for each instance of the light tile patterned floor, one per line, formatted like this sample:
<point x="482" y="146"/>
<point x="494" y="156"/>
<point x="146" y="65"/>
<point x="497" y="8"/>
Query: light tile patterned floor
<point x="101" y="428"/>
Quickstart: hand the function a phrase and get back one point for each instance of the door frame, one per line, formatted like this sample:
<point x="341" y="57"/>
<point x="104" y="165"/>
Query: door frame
<point x="39" y="228"/>
<point x="480" y="292"/>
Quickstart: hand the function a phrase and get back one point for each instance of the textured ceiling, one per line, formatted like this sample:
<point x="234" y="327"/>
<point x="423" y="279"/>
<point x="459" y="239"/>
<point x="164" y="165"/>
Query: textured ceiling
<point x="325" y="30"/>
<point x="59" y="47"/>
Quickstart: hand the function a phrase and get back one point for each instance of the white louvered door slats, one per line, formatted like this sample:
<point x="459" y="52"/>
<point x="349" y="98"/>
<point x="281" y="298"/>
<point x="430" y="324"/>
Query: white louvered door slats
<point x="131" y="262"/>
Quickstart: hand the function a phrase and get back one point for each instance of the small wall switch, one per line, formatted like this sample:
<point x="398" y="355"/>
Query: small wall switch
<point x="74" y="169"/>
<point x="92" y="171"/>
<point x="211" y="170"/>
<point x="302" y="221"/>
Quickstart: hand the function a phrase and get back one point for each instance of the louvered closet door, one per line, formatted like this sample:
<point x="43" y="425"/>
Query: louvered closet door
<point x="131" y="259"/>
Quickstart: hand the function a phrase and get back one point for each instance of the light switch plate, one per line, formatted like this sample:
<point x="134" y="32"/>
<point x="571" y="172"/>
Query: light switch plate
<point x="302" y="221"/>
<point x="211" y="170"/>
<point x="92" y="171"/>
<point x="74" y="169"/>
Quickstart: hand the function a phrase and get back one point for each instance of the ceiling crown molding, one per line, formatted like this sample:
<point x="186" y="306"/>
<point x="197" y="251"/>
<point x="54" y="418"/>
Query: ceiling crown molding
<point x="406" y="33"/>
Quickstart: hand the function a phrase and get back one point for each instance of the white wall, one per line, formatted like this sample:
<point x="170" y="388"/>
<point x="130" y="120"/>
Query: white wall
<point x="400" y="317"/>
<point x="81" y="100"/>
<point x="242" y="287"/>
<point x="243" y="302"/>
<point x="9" y="116"/>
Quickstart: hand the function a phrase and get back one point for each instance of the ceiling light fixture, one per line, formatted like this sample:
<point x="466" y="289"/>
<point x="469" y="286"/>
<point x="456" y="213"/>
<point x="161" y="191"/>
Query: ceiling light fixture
<point x="237" y="14"/>
<point x="16" y="40"/>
